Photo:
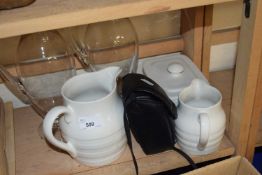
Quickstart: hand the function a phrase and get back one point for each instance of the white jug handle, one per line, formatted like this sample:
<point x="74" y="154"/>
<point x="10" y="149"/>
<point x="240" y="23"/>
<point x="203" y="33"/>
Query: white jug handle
<point x="204" y="130"/>
<point x="48" y="122"/>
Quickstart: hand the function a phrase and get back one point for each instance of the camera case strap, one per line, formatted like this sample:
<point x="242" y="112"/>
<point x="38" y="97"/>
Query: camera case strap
<point x="149" y="114"/>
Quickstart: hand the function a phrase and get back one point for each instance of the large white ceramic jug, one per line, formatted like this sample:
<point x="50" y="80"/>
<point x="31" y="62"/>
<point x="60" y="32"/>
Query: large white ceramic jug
<point x="201" y="120"/>
<point x="91" y="119"/>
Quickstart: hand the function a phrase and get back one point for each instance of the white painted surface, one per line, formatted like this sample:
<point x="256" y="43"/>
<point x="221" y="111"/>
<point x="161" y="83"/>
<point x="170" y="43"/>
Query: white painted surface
<point x="6" y="95"/>
<point x="223" y="56"/>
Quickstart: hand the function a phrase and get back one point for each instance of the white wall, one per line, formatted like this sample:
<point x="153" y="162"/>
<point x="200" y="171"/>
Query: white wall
<point x="223" y="56"/>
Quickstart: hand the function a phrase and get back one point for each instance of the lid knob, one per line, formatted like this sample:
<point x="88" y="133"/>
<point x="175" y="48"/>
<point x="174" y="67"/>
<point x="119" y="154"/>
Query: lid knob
<point x="175" y="69"/>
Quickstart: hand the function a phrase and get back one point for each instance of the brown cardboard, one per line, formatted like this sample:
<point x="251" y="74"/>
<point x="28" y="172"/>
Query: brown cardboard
<point x="233" y="166"/>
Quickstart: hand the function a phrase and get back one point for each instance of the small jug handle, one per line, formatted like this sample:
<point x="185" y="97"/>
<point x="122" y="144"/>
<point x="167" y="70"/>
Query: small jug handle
<point x="204" y="130"/>
<point x="48" y="122"/>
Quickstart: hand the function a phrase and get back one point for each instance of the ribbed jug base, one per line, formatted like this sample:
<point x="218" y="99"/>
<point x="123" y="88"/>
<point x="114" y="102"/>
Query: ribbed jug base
<point x="101" y="161"/>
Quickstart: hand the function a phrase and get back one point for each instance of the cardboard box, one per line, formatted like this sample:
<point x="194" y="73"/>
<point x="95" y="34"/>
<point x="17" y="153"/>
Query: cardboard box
<point x="233" y="166"/>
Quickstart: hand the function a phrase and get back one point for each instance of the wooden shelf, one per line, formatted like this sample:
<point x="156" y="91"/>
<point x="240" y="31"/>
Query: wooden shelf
<point x="35" y="156"/>
<point x="46" y="15"/>
<point x="55" y="14"/>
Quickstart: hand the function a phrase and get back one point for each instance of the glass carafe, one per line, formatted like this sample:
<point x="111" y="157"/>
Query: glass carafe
<point x="109" y="43"/>
<point x="43" y="64"/>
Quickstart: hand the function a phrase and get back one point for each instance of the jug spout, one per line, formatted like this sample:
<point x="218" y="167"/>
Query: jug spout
<point x="198" y="84"/>
<point x="200" y="95"/>
<point x="111" y="73"/>
<point x="197" y="88"/>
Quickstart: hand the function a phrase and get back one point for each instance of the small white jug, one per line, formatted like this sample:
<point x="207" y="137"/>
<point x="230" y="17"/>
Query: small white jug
<point x="201" y="120"/>
<point x="91" y="120"/>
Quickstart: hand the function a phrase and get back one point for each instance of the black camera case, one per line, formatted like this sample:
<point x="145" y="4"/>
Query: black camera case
<point x="149" y="113"/>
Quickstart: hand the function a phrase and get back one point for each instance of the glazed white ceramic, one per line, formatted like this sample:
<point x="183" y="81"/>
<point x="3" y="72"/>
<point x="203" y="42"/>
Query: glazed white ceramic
<point x="173" y="72"/>
<point x="91" y="120"/>
<point x="201" y="119"/>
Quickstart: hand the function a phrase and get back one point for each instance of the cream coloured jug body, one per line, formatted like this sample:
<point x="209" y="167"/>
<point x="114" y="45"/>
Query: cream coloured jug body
<point x="91" y="120"/>
<point x="201" y="119"/>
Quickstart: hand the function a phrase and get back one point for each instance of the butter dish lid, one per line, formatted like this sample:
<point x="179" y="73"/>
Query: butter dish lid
<point x="172" y="72"/>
